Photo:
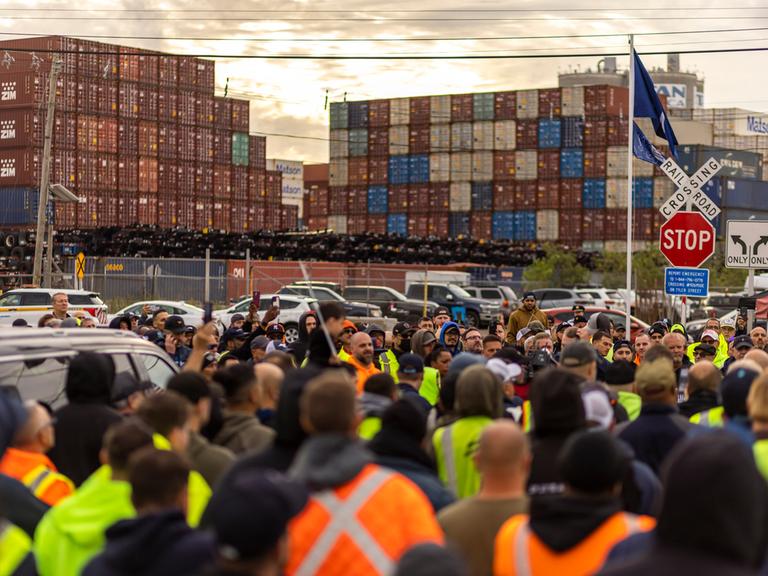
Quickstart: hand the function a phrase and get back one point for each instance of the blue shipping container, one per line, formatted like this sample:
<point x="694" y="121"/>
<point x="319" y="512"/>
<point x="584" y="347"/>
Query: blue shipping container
<point x="571" y="162"/>
<point x="572" y="131"/>
<point x="358" y="142"/>
<point x="358" y="114"/>
<point x="744" y="194"/>
<point x="377" y="199"/>
<point x="642" y="190"/>
<point x="736" y="163"/>
<point x="503" y="225"/>
<point x="593" y="193"/>
<point x="549" y="133"/>
<point x="482" y="196"/>
<point x="398" y="169"/>
<point x="458" y="224"/>
<point x="397" y="224"/>
<point x="419" y="169"/>
<point x="525" y="225"/>
<point x="19" y="206"/>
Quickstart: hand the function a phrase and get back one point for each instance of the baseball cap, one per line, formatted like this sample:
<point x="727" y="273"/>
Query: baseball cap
<point x="536" y="327"/>
<point x="349" y="325"/>
<point x="275" y="329"/>
<point x="529" y="295"/>
<point x="403" y="328"/>
<point x="441" y="311"/>
<point x="411" y="364"/>
<point x="706" y="349"/>
<point x="620" y="372"/>
<point x="373" y="328"/>
<point x="654" y="377"/>
<point x="597" y="408"/>
<point x="735" y="389"/>
<point x="505" y="372"/>
<point x="578" y="319"/>
<point x="175" y="324"/>
<point x="729" y="323"/>
<point x="577" y="308"/>
<point x="235" y="334"/>
<point x="622" y="344"/>
<point x="577" y="354"/>
<point x="742" y="341"/>
<point x="19" y="323"/>
<point x="251" y="512"/>
<point x="563" y="326"/>
<point x="236" y="318"/>
<point x="522" y="333"/>
<point x="261" y="342"/>
<point x="190" y="330"/>
<point x="599" y="322"/>
<point x="711" y="333"/>
<point x="620" y="328"/>
<point x="657" y="329"/>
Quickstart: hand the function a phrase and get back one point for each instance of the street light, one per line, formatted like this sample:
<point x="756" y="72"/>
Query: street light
<point x="57" y="193"/>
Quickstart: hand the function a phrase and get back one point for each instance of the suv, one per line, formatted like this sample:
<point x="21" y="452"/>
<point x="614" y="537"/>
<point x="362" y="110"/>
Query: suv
<point x="503" y="296"/>
<point x="603" y="297"/>
<point x="291" y="309"/>
<point x="474" y="311"/>
<point x="34" y="361"/>
<point x="393" y="304"/>
<point x="322" y="294"/>
<point x="33" y="303"/>
<point x="560" y="298"/>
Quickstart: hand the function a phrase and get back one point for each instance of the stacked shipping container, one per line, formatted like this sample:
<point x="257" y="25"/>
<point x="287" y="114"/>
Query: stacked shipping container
<point x="139" y="135"/>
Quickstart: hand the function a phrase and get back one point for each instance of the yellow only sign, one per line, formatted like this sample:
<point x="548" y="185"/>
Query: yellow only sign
<point x="80" y="265"/>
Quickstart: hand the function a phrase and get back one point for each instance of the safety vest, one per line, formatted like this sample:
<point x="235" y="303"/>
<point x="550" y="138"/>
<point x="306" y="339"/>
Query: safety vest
<point x="631" y="402"/>
<point x="713" y="418"/>
<point x="527" y="421"/>
<point x="720" y="356"/>
<point x="369" y="427"/>
<point x="519" y="552"/>
<point x="343" y="356"/>
<point x="760" y="450"/>
<point x="38" y="474"/>
<point x="430" y="386"/>
<point x="198" y="491"/>
<point x="454" y="446"/>
<point x="15" y="544"/>
<point x="389" y="364"/>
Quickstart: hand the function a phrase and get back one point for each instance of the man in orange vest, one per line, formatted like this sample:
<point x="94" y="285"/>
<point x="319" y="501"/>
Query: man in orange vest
<point x="574" y="533"/>
<point x="362" y="359"/>
<point x="26" y="460"/>
<point x="361" y="517"/>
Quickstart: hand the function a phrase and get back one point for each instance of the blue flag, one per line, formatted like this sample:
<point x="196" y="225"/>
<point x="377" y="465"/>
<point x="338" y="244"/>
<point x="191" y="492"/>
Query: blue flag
<point x="648" y="105"/>
<point x="643" y="149"/>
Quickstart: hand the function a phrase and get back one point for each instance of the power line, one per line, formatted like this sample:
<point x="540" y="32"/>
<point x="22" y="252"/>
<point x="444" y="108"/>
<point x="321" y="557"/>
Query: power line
<point x="376" y="20"/>
<point x="385" y="11"/>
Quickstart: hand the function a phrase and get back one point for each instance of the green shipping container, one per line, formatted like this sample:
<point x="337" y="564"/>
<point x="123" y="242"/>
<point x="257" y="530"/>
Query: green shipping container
<point x="482" y="106"/>
<point x="240" y="149"/>
<point x="339" y="115"/>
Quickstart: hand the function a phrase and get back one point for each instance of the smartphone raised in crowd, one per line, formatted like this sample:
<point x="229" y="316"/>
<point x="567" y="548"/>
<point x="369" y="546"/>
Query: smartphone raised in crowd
<point x="207" y="312"/>
<point x="276" y="301"/>
<point x="256" y="298"/>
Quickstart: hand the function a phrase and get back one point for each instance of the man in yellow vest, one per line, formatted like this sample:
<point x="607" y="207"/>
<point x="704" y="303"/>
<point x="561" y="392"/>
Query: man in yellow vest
<point x="345" y="353"/>
<point x="401" y="344"/>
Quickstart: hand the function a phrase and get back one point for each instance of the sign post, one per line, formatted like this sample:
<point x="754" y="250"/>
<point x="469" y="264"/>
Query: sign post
<point x="746" y="246"/>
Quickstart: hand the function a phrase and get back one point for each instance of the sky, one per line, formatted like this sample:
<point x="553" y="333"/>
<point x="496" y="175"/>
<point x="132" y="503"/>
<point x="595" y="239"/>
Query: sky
<point x="289" y="96"/>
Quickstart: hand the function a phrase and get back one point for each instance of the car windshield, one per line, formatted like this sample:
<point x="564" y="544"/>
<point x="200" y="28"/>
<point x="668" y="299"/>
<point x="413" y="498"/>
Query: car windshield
<point x="459" y="291"/>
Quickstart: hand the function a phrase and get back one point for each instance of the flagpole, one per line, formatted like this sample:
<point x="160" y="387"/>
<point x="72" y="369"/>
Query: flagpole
<point x="628" y="301"/>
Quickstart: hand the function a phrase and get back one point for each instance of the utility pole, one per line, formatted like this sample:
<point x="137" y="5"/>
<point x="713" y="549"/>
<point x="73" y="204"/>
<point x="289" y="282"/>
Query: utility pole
<point x="45" y="174"/>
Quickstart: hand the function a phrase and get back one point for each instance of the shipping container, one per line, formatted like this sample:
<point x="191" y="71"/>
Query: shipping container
<point x="503" y="165"/>
<point x="378" y="142"/>
<point x="186" y="142"/>
<point x="128" y="207"/>
<point x="503" y="195"/>
<point x="186" y="179"/>
<point x="357" y="170"/>
<point x="338" y="224"/>
<point x="397" y="200"/>
<point x="257" y="152"/>
<point x="167" y="177"/>
<point x="482" y="166"/>
<point x="240" y="155"/>
<point x="19" y="205"/>
<point x="461" y="136"/>
<point x="167" y="104"/>
<point x="550" y="103"/>
<point x="418" y="198"/>
<point x="440" y="109"/>
<point x="87" y="96"/>
<point x="462" y="107"/>
<point x="481" y="196"/>
<point x="418" y="169"/>
<point x="596" y="132"/>
<point x="570" y="229"/>
<point x="378" y="169"/>
<point x="398" y="140"/>
<point x="526" y="165"/>
<point x="458" y="224"/>
<point x="358" y="115"/>
<point x="222" y="181"/>
<point x="548" y="194"/>
<point x="483" y="135"/>
<point x="397" y="224"/>
<point x="241" y="115"/>
<point x="398" y="170"/>
<point x="378" y="113"/>
<point x="483" y="106"/>
<point x="339" y="115"/>
<point x="593" y="193"/>
<point x="167" y="140"/>
<point x="593" y="224"/>
<point x="221" y="214"/>
<point x="377" y="199"/>
<point x="548" y="164"/>
<point x="618" y="131"/>
<point x="206" y="75"/>
<point x="128" y="173"/>
<point x="605" y="100"/>
<point x="204" y="115"/>
<point x="418" y="139"/>
<point x="357" y="224"/>
<point x="571" y="163"/>
<point x="204" y="144"/>
<point x="527" y="104"/>
<point x="460" y="197"/>
<point x="222" y="144"/>
<point x="338" y="174"/>
<point x="505" y="105"/>
<point x="663" y="188"/>
<point x="595" y="162"/>
<point x="376" y="224"/>
<point x="399" y="112"/>
<point x="148" y="100"/>
<point x="505" y="135"/>
<point x="440" y="137"/>
<point x="527" y="134"/>
<point x="439" y="198"/>
<point x="572" y="101"/>
<point x="168" y="70"/>
<point x="186" y="107"/>
<point x="549" y="133"/>
<point x="439" y="167"/>
<point x="420" y="110"/>
<point x="547" y="225"/>
<point x="438" y="225"/>
<point x="615" y="224"/>
<point x="736" y="163"/>
<point x="481" y="225"/>
<point x="148" y="175"/>
<point x="526" y="194"/>
<point x="316" y="222"/>
<point x="461" y="167"/>
<point x="148" y="135"/>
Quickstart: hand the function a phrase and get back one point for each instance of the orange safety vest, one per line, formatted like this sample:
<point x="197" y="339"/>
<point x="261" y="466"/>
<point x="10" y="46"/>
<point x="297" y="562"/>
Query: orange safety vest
<point x="519" y="552"/>
<point x="362" y="527"/>
<point x="38" y="473"/>
<point x="363" y="373"/>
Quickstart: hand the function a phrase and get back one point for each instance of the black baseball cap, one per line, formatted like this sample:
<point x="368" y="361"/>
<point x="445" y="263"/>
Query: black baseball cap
<point x="403" y="328"/>
<point x="620" y="328"/>
<point x="260" y="342"/>
<point x="622" y="344"/>
<point x="235" y="334"/>
<point x="528" y="295"/>
<point x="706" y="349"/>
<point x="578" y="308"/>
<point x="19" y="323"/>
<point x="578" y="319"/>
<point x="442" y="311"/>
<point x="657" y="329"/>
<point x="563" y="326"/>
<point x="236" y="317"/>
<point x="275" y="329"/>
<point x="175" y="324"/>
<point x="742" y="341"/>
<point x="577" y="354"/>
<point x="411" y="364"/>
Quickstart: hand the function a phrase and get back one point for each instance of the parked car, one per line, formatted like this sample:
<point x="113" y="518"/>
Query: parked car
<point x="602" y="297"/>
<point x="34" y="361"/>
<point x="502" y="296"/>
<point x="322" y="294"/>
<point x="560" y="298"/>
<point x="33" y="303"/>
<point x="473" y="311"/>
<point x="393" y="304"/>
<point x="192" y="315"/>
<point x="563" y="314"/>
<point x="335" y="286"/>
<point x="291" y="309"/>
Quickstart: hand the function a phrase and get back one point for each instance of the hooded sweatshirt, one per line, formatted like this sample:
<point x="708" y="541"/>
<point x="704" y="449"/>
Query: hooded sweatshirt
<point x="243" y="433"/>
<point x="81" y="424"/>
<point x="153" y="545"/>
<point x="441" y="338"/>
<point x="300" y="347"/>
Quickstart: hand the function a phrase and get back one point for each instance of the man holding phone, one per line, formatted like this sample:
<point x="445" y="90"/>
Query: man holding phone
<point x="172" y="343"/>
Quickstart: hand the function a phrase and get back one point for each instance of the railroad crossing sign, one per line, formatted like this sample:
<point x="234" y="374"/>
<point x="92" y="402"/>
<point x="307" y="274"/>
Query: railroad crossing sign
<point x="746" y="244"/>
<point x="689" y="192"/>
<point x="687" y="239"/>
<point x="80" y="265"/>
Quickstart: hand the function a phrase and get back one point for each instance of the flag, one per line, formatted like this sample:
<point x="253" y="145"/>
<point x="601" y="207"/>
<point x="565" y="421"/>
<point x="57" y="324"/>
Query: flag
<point x="643" y="149"/>
<point x="648" y="105"/>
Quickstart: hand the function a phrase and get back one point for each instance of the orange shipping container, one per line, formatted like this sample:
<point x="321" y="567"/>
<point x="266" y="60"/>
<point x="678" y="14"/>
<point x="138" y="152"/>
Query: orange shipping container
<point x="148" y="175"/>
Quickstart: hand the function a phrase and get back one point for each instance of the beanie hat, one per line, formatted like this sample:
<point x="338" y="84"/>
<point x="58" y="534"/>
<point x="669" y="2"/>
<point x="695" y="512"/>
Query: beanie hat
<point x="404" y="416"/>
<point x="592" y="462"/>
<point x="620" y="372"/>
<point x="556" y="402"/>
<point x="735" y="389"/>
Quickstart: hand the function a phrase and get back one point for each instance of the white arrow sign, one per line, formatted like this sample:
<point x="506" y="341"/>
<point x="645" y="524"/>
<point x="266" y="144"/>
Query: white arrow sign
<point x="689" y="193"/>
<point x="746" y="244"/>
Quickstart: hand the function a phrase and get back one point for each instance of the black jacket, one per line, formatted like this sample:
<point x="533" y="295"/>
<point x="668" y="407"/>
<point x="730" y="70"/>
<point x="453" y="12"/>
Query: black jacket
<point x="699" y="401"/>
<point x="153" y="545"/>
<point x="563" y="522"/>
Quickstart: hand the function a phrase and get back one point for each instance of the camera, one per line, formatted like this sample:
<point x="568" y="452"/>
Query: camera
<point x="538" y="360"/>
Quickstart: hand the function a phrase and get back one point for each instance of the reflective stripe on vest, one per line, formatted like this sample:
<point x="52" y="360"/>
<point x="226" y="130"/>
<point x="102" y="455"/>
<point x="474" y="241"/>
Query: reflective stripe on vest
<point x="343" y="521"/>
<point x="712" y="418"/>
<point x="448" y="458"/>
<point x="38" y="480"/>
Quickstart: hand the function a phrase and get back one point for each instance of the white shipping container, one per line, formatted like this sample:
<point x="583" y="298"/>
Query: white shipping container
<point x="482" y="166"/>
<point x="573" y="101"/>
<point x="461" y="166"/>
<point x="399" y="111"/>
<point x="460" y="197"/>
<point x="339" y="143"/>
<point x="547" y="225"/>
<point x="482" y="135"/>
<point x="616" y="192"/>
<point x="398" y="140"/>
<point x="616" y="164"/>
<point x="440" y="137"/>
<point x="338" y="224"/>
<point x="526" y="165"/>
<point x="440" y="167"/>
<point x="338" y="172"/>
<point x="439" y="109"/>
<point x="527" y="103"/>
<point x="593" y="246"/>
<point x="704" y="115"/>
<point x="663" y="188"/>
<point x="689" y="132"/>
<point x="641" y="169"/>
<point x="461" y="137"/>
<point x="505" y="135"/>
<point x="730" y="120"/>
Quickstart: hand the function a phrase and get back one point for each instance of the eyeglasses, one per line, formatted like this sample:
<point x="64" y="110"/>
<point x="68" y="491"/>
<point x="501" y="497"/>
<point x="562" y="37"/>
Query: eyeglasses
<point x="350" y="331"/>
<point x="473" y="338"/>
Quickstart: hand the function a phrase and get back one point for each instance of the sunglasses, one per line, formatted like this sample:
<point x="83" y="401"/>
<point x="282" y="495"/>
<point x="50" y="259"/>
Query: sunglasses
<point x="350" y="331"/>
<point x="700" y="353"/>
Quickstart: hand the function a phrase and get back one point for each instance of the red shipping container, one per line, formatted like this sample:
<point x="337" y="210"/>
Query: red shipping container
<point x="148" y="102"/>
<point x="87" y="133"/>
<point x="239" y="216"/>
<point x="570" y="226"/>
<point x="257" y="151"/>
<point x="108" y="64"/>
<point x="596" y="132"/>
<point x="88" y="96"/>
<point x="107" y="171"/>
<point x="316" y="200"/>
<point x="420" y="111"/>
<point x="439" y="199"/>
<point x="357" y="200"/>
<point x="222" y="112"/>
<point x="167" y="177"/>
<point x="527" y="134"/>
<point x="462" y="107"/>
<point x="88" y="57"/>
<point x="203" y="214"/>
<point x="378" y="141"/>
<point x="128" y="99"/>
<point x="147" y="210"/>
<point x="615" y="224"/>
<point x="204" y="180"/>
<point x="87" y="171"/>
<point x="618" y="131"/>
<point x="186" y="179"/>
<point x="593" y="224"/>
<point x="274" y="187"/>
<point x="378" y="167"/>
<point x="548" y="194"/>
<point x="418" y="225"/>
<point x="127" y="136"/>
<point x="481" y="225"/>
<point x="222" y="214"/>
<point x="257" y="214"/>
<point x="239" y="183"/>
<point x="23" y="127"/>
<point x="377" y="224"/>
<point x="503" y="165"/>
<point x="88" y="210"/>
<point x="549" y="103"/>
<point x="290" y="217"/>
<point x="418" y="198"/>
<point x="358" y="171"/>
<point x="186" y="142"/>
<point x="378" y="113"/>
<point x="606" y="100"/>
<point x="438" y="225"/>
<point x="357" y="224"/>
<point x="337" y="201"/>
<point x="317" y="223"/>
<point x="185" y="212"/>
<point x="128" y="173"/>
<point x="167" y="104"/>
<point x="186" y="107"/>
<point x="204" y="110"/>
<point x="108" y="97"/>
<point x="31" y="54"/>
<point x="525" y="195"/>
<point x="549" y="164"/>
<point x="504" y="195"/>
<point x="129" y="63"/>
<point x="241" y="115"/>
<point x="505" y="105"/>
<point x="187" y="71"/>
<point x="206" y="75"/>
<point x="147" y="138"/>
<point x="204" y="141"/>
<point x="418" y="138"/>
<point x="66" y="215"/>
<point x="222" y="146"/>
<point x="222" y="181"/>
<point x="168" y="70"/>
<point x="643" y="225"/>
<point x="64" y="168"/>
<point x="148" y="175"/>
<point x="166" y="210"/>
<point x="167" y="140"/>
<point x="128" y="209"/>
<point x="595" y="162"/>
<point x="107" y="134"/>
<point x="64" y="131"/>
<point x="20" y="167"/>
<point x="18" y="90"/>
<point x="570" y="194"/>
<point x="272" y="216"/>
<point x="257" y="185"/>
<point x="149" y="68"/>
<point x="398" y="198"/>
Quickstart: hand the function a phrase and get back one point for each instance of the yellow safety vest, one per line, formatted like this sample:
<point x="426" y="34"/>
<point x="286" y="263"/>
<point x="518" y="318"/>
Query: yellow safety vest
<point x="712" y="418"/>
<point x="15" y="544"/>
<point x="389" y="364"/>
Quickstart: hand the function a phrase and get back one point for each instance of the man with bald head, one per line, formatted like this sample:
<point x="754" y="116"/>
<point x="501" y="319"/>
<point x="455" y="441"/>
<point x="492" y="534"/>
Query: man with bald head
<point x="759" y="357"/>
<point x="362" y="358"/>
<point x="703" y="386"/>
<point x="503" y="460"/>
<point x="270" y="379"/>
<point x="26" y="460"/>
<point x="759" y="337"/>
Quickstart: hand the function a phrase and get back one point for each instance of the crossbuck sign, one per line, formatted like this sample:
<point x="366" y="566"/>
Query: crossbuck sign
<point x="689" y="190"/>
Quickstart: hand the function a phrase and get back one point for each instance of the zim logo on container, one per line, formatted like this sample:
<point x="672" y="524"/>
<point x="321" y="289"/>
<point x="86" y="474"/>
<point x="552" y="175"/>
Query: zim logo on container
<point x="7" y="168"/>
<point x="8" y="130"/>
<point x="8" y="90"/>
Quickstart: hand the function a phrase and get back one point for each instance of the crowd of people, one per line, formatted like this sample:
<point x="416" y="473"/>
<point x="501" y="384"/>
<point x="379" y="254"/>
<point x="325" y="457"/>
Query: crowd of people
<point x="529" y="448"/>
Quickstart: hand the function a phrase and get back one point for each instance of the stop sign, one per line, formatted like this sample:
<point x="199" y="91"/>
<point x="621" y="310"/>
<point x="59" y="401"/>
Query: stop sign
<point x="687" y="239"/>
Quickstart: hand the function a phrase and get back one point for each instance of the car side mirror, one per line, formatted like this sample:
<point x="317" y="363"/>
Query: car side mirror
<point x="449" y="297"/>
